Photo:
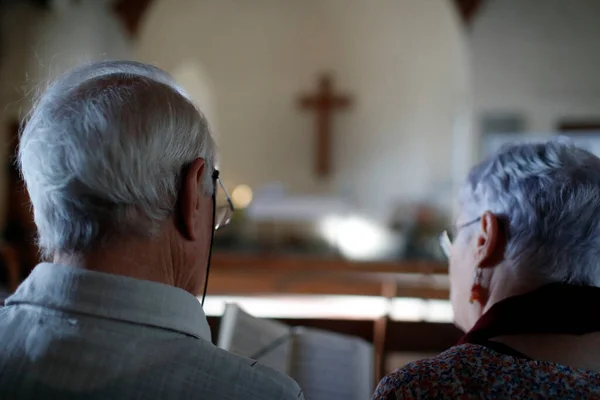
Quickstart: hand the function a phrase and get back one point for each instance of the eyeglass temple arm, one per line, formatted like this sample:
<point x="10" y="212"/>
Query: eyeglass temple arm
<point x="216" y="177"/>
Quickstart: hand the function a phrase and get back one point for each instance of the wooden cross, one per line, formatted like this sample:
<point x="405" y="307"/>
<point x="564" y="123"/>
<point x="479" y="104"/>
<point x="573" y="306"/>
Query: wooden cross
<point x="324" y="103"/>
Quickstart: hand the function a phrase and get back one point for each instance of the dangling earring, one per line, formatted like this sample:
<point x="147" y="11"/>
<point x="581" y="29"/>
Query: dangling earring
<point x="478" y="292"/>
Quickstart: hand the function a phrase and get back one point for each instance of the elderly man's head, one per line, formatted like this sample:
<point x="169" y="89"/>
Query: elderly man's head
<point x="528" y="216"/>
<point x="116" y="157"/>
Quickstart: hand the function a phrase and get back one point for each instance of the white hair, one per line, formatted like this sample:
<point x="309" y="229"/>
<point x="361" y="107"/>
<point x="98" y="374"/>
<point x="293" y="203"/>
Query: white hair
<point x="548" y="195"/>
<point x="103" y="151"/>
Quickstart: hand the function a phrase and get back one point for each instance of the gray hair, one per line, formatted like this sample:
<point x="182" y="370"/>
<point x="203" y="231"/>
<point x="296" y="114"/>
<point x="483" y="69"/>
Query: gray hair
<point x="548" y="195"/>
<point x="103" y="151"/>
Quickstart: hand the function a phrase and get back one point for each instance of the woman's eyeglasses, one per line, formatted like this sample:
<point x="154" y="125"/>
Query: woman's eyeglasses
<point x="446" y="241"/>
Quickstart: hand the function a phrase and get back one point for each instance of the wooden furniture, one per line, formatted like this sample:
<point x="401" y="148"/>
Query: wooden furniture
<point x="260" y="274"/>
<point x="256" y="274"/>
<point x="401" y="336"/>
<point x="10" y="260"/>
<point x="579" y="125"/>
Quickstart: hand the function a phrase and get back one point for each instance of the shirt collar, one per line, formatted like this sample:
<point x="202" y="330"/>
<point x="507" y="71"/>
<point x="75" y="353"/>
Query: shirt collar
<point x="114" y="297"/>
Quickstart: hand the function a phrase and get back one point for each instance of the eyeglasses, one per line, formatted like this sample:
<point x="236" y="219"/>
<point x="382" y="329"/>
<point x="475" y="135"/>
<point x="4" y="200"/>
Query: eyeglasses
<point x="445" y="240"/>
<point x="223" y="213"/>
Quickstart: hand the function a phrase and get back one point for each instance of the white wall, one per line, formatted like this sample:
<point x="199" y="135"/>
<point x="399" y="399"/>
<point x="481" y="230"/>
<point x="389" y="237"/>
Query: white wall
<point x="538" y="57"/>
<point x="73" y="33"/>
<point x="403" y="60"/>
<point x="39" y="44"/>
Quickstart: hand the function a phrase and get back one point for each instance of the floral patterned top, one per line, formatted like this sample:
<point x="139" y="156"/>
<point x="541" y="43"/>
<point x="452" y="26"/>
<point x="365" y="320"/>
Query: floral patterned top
<point x="471" y="371"/>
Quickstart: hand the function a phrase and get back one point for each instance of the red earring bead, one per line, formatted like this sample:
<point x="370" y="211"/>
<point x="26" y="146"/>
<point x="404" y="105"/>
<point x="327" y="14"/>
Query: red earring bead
<point x="477" y="294"/>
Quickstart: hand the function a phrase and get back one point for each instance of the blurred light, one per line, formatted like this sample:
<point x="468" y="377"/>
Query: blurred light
<point x="334" y="307"/>
<point x="341" y="307"/>
<point x="329" y="228"/>
<point x="440" y="311"/>
<point x="241" y="196"/>
<point x="412" y="309"/>
<point x="357" y="238"/>
<point x="408" y="309"/>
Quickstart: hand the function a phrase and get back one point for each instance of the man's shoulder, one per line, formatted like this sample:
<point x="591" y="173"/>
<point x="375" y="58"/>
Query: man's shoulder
<point x="265" y="376"/>
<point x="250" y="377"/>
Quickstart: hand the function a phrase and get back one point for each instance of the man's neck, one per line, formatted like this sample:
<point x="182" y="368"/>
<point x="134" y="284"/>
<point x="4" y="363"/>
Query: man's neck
<point x="145" y="259"/>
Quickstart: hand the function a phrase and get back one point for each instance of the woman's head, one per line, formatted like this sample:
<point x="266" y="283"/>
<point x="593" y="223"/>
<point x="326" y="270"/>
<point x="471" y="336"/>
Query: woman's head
<point x="527" y="216"/>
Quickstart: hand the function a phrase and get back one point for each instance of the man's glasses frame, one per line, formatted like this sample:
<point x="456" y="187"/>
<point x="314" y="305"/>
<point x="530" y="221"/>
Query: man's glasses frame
<point x="223" y="213"/>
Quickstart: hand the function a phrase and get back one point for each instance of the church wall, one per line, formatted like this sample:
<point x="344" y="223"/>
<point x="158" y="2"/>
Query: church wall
<point x="38" y="44"/>
<point x="538" y="59"/>
<point x="404" y="62"/>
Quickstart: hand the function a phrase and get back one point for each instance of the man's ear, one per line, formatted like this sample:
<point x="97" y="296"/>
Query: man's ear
<point x="490" y="241"/>
<point x="189" y="198"/>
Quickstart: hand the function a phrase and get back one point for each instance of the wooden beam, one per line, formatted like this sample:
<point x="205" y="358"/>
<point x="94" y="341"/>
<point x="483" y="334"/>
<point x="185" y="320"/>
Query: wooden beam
<point x="258" y="274"/>
<point x="249" y="282"/>
<point x="299" y="263"/>
<point x="389" y="291"/>
<point x="468" y="9"/>
<point x="581" y="125"/>
<point x="131" y="13"/>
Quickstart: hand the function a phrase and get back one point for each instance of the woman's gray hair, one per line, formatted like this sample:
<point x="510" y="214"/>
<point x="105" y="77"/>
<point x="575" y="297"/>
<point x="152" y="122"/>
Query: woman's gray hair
<point x="548" y="195"/>
<point x="103" y="151"/>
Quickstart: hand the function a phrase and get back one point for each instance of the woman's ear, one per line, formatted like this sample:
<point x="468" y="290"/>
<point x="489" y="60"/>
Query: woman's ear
<point x="490" y="241"/>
